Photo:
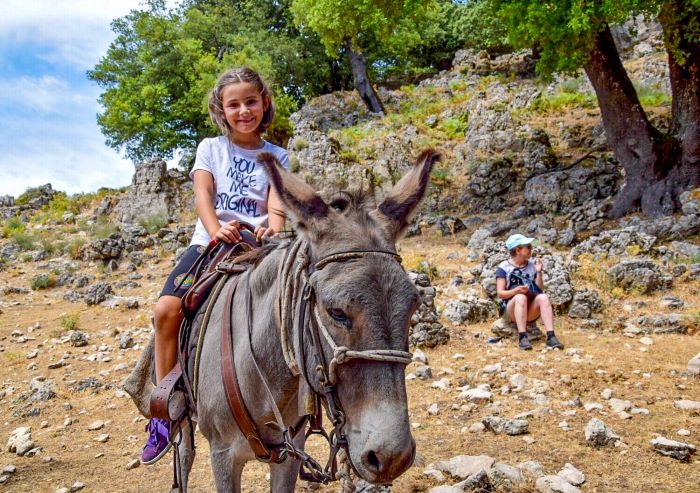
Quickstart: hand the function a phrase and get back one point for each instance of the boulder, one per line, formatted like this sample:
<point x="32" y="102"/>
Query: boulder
<point x="563" y="190"/>
<point x="470" y="310"/>
<point x="639" y="275"/>
<point x="585" y="303"/>
<point x="615" y="243"/>
<point x="154" y="191"/>
<point x="504" y="328"/>
<point x="426" y="330"/>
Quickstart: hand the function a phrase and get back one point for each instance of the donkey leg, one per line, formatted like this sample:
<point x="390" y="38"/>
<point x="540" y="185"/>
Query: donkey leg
<point x="186" y="452"/>
<point x="227" y="468"/>
<point x="283" y="476"/>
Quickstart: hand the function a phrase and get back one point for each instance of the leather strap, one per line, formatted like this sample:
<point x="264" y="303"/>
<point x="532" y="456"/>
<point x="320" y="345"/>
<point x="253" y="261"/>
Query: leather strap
<point x="160" y="396"/>
<point x="233" y="391"/>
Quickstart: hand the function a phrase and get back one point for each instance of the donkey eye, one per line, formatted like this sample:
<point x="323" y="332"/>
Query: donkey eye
<point x="339" y="316"/>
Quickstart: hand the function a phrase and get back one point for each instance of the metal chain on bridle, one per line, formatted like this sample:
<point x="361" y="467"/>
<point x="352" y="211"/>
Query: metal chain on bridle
<point x="297" y="308"/>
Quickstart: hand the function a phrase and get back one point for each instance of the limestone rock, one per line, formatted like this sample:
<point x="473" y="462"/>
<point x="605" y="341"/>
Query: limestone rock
<point x="511" y="427"/>
<point x="572" y="475"/>
<point x="642" y="276"/>
<point x="585" y="303"/>
<point x="687" y="405"/>
<point x="97" y="293"/>
<point x="503" y="328"/>
<point x="615" y="243"/>
<point x="477" y="483"/>
<point x="463" y="466"/>
<point x="694" y="365"/>
<point x="472" y="310"/>
<point x="671" y="448"/>
<point x="555" y="484"/>
<point x="20" y="441"/>
<point x="505" y="476"/>
<point x="154" y="190"/>
<point x="598" y="434"/>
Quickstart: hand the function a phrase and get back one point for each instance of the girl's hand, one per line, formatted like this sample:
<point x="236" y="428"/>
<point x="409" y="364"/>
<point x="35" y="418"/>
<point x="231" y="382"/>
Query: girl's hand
<point x="228" y="232"/>
<point x="263" y="232"/>
<point x="538" y="265"/>
<point x="520" y="290"/>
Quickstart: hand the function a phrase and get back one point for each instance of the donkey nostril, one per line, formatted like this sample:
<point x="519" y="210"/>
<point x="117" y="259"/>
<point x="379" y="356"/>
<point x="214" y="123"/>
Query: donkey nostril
<point x="372" y="461"/>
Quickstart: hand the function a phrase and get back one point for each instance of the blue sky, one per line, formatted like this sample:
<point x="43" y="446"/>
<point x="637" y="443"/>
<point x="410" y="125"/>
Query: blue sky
<point x="48" y="107"/>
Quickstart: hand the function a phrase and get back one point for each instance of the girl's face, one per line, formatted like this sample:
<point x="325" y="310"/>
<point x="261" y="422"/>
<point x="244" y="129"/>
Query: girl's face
<point x="244" y="108"/>
<point x="524" y="251"/>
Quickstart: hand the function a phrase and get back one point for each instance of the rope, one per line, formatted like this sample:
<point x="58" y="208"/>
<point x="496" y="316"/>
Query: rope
<point x="342" y="354"/>
<point x="347" y="485"/>
<point x="291" y="267"/>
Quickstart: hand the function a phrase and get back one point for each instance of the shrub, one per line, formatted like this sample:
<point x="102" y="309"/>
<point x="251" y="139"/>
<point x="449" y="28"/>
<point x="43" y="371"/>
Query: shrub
<point x="72" y="248"/>
<point x="563" y="100"/>
<point x="651" y="96"/>
<point x="43" y="281"/>
<point x="24" y="241"/>
<point x="299" y="144"/>
<point x="154" y="222"/>
<point x="12" y="226"/>
<point x="294" y="165"/>
<point x="453" y="127"/>
<point x="103" y="228"/>
<point x="440" y="177"/>
<point x="70" y="321"/>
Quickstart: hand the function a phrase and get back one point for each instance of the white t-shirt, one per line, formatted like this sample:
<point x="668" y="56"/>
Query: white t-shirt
<point x="241" y="183"/>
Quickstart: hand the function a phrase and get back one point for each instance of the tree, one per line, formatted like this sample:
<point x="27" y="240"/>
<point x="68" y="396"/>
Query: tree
<point x="574" y="33"/>
<point x="159" y="69"/>
<point x="356" y="25"/>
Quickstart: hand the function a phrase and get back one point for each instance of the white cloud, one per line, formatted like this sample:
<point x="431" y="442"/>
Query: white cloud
<point x="77" y="161"/>
<point x="75" y="32"/>
<point x="43" y="94"/>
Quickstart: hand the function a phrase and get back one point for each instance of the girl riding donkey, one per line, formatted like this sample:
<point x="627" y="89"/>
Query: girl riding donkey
<point x="230" y="187"/>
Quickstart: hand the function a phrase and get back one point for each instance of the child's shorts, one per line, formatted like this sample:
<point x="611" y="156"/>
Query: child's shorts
<point x="177" y="284"/>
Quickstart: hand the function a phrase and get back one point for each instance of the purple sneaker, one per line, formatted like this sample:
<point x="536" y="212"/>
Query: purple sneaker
<point x="158" y="442"/>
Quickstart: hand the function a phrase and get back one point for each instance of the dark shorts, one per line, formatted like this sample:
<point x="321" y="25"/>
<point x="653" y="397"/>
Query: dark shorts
<point x="177" y="284"/>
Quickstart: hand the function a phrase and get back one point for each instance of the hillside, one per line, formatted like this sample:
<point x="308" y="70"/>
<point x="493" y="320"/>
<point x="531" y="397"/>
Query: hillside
<point x="81" y="275"/>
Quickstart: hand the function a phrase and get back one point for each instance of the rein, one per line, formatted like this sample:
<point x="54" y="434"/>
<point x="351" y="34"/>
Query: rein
<point x="297" y="308"/>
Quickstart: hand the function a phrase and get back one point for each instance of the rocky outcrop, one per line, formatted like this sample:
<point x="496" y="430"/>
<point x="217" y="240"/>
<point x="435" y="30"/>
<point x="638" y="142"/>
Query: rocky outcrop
<point x="154" y="191"/>
<point x="426" y="330"/>
<point x="561" y="191"/>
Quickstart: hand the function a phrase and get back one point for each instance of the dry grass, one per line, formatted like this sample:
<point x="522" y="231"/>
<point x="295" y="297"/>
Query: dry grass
<point x="608" y="360"/>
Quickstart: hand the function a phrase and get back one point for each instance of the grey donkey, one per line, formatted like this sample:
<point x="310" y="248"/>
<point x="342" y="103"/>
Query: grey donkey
<point x="365" y="302"/>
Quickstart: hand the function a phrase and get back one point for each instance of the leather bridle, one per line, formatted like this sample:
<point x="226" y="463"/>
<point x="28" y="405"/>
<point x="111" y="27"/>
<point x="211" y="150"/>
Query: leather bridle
<point x="298" y="282"/>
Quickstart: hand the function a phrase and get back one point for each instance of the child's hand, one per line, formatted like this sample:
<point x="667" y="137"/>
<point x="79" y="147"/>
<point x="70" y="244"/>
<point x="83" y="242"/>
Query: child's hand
<point x="520" y="290"/>
<point x="263" y="232"/>
<point x="538" y="265"/>
<point x="228" y="232"/>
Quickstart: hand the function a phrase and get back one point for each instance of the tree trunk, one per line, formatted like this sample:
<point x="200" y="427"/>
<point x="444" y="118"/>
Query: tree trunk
<point x="684" y="70"/>
<point x="360" y="76"/>
<point x="638" y="146"/>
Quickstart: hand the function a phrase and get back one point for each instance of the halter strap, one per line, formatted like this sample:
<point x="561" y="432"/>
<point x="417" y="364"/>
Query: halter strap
<point x="342" y="354"/>
<point x="343" y="256"/>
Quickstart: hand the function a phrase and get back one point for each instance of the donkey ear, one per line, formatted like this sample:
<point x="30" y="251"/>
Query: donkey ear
<point x="395" y="210"/>
<point x="303" y="203"/>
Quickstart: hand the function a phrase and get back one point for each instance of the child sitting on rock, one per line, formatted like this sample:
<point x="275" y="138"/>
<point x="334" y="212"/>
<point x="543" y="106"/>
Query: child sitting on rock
<point x="520" y="287"/>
